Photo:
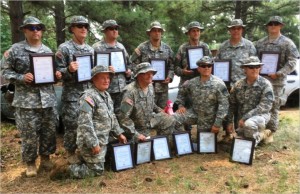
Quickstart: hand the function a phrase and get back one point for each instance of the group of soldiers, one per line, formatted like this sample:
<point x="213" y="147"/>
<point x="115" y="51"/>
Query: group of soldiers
<point x="97" y="112"/>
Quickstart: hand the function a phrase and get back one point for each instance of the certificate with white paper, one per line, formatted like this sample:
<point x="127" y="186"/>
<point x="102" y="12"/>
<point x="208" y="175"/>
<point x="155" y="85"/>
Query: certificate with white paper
<point x="85" y="65"/>
<point x="102" y="58"/>
<point x="143" y="152"/>
<point x="122" y="157"/>
<point x="160" y="66"/>
<point x="222" y="69"/>
<point x="183" y="143"/>
<point x="207" y="142"/>
<point x="242" y="150"/>
<point x="161" y="148"/>
<point x="42" y="67"/>
<point x="193" y="55"/>
<point x="270" y="61"/>
<point x="117" y="60"/>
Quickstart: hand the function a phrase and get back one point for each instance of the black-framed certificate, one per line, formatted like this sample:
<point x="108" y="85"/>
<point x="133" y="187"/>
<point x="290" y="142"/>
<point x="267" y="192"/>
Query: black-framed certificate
<point x="160" y="65"/>
<point x="122" y="156"/>
<point x="102" y="58"/>
<point x="143" y="152"/>
<point x="85" y="65"/>
<point x="242" y="150"/>
<point x="222" y="69"/>
<point x="271" y="62"/>
<point x="193" y="55"/>
<point x="183" y="143"/>
<point x="207" y="142"/>
<point x="161" y="148"/>
<point x="42" y="67"/>
<point x="117" y="60"/>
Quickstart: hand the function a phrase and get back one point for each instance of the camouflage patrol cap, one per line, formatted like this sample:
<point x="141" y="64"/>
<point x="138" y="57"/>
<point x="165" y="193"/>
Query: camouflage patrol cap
<point x="155" y="24"/>
<point x="236" y="22"/>
<point x="275" y="19"/>
<point x="77" y="20"/>
<point x="109" y="23"/>
<point x="193" y="24"/>
<point x="101" y="69"/>
<point x="144" y="68"/>
<point x="251" y="61"/>
<point x="32" y="21"/>
<point x="206" y="60"/>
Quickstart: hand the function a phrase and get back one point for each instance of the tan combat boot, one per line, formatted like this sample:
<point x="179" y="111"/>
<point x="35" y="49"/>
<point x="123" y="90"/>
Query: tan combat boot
<point x="268" y="136"/>
<point x="72" y="158"/>
<point x="31" y="169"/>
<point x="60" y="172"/>
<point x="46" y="163"/>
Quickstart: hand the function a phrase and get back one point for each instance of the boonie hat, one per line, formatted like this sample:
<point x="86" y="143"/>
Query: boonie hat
<point x="193" y="24"/>
<point x="77" y="20"/>
<point x="236" y="22"/>
<point x="101" y="69"/>
<point x="144" y="68"/>
<point x="155" y="24"/>
<point x="206" y="60"/>
<point x="275" y="19"/>
<point x="251" y="61"/>
<point x="32" y="21"/>
<point x="108" y="23"/>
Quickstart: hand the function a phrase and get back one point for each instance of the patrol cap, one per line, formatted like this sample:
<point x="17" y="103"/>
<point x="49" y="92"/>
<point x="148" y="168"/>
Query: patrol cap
<point x="32" y="21"/>
<point x="144" y="68"/>
<point x="236" y="22"/>
<point x="155" y="24"/>
<point x="101" y="69"/>
<point x="193" y="24"/>
<point x="77" y="20"/>
<point x="251" y="61"/>
<point x="109" y="23"/>
<point x="275" y="19"/>
<point x="206" y="60"/>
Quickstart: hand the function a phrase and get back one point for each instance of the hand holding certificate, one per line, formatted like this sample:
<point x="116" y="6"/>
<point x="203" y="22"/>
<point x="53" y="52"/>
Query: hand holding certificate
<point x="193" y="55"/>
<point x="160" y="65"/>
<point x="207" y="142"/>
<point x="222" y="69"/>
<point x="270" y="61"/>
<point x="84" y="71"/>
<point x="117" y="60"/>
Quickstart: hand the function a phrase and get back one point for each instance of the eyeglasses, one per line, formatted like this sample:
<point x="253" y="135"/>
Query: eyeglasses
<point x="86" y="26"/>
<point x="273" y="24"/>
<point x="253" y="67"/>
<point x="33" y="28"/>
<point x="206" y="66"/>
<point x="112" y="28"/>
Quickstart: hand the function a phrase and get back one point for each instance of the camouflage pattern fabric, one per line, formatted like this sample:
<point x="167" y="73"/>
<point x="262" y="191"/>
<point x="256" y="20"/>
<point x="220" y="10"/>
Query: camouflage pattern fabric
<point x="288" y="59"/>
<point x="250" y="102"/>
<point x="143" y="53"/>
<point x="139" y="114"/>
<point x="236" y="54"/>
<point x="209" y="103"/>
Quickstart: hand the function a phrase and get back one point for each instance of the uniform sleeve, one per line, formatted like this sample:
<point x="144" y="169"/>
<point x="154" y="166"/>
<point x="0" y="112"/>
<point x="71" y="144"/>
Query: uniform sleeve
<point x="178" y="66"/>
<point x="182" y="93"/>
<point x="62" y="62"/>
<point x="291" y="59"/>
<point x="171" y="64"/>
<point x="232" y="105"/>
<point x="223" y="105"/>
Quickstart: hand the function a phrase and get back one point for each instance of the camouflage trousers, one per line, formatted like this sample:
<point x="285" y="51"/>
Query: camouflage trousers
<point x="117" y="99"/>
<point x="38" y="128"/>
<point x="92" y="165"/>
<point x="253" y="126"/>
<point x="69" y="118"/>
<point x="274" y="121"/>
<point x="161" y="99"/>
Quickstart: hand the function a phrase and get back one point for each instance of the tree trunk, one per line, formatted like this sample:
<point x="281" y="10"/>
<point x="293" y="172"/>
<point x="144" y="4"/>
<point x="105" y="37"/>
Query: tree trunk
<point x="238" y="9"/>
<point x="16" y="19"/>
<point x="60" y="23"/>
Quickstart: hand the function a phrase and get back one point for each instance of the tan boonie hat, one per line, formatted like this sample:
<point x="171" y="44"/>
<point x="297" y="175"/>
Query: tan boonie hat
<point x="32" y="21"/>
<point x="108" y="23"/>
<point x="77" y="20"/>
<point x="251" y="61"/>
<point x="206" y="60"/>
<point x="275" y="19"/>
<point x="236" y="22"/>
<point x="144" y="68"/>
<point x="193" y="24"/>
<point x="155" y="24"/>
<point x="101" y="69"/>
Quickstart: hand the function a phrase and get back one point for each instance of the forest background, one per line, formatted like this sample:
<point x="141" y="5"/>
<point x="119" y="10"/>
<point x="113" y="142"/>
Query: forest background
<point x="136" y="16"/>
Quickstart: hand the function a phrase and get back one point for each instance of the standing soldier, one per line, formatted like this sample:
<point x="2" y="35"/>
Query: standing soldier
<point x="35" y="104"/>
<point x="156" y="48"/>
<point x="78" y="27"/>
<point x="110" y="28"/>
<point x="288" y="53"/>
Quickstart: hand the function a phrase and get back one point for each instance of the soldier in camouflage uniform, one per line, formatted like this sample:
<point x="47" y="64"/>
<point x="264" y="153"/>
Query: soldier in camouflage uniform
<point x="276" y="42"/>
<point x="139" y="113"/>
<point x="35" y="105"/>
<point x="72" y="89"/>
<point x="110" y="28"/>
<point x="155" y="48"/>
<point x="209" y="97"/>
<point x="95" y="121"/>
<point x="236" y="49"/>
<point x="251" y="98"/>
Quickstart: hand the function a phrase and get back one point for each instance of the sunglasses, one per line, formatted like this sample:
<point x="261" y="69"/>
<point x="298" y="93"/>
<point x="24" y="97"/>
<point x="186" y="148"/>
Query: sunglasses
<point x="86" y="26"/>
<point x="33" y="28"/>
<point x="112" y="28"/>
<point x="206" y="66"/>
<point x="273" y="24"/>
<point x="253" y="67"/>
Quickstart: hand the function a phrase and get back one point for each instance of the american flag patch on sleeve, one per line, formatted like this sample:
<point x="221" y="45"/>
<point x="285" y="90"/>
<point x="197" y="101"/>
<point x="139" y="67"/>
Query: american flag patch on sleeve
<point x="90" y="101"/>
